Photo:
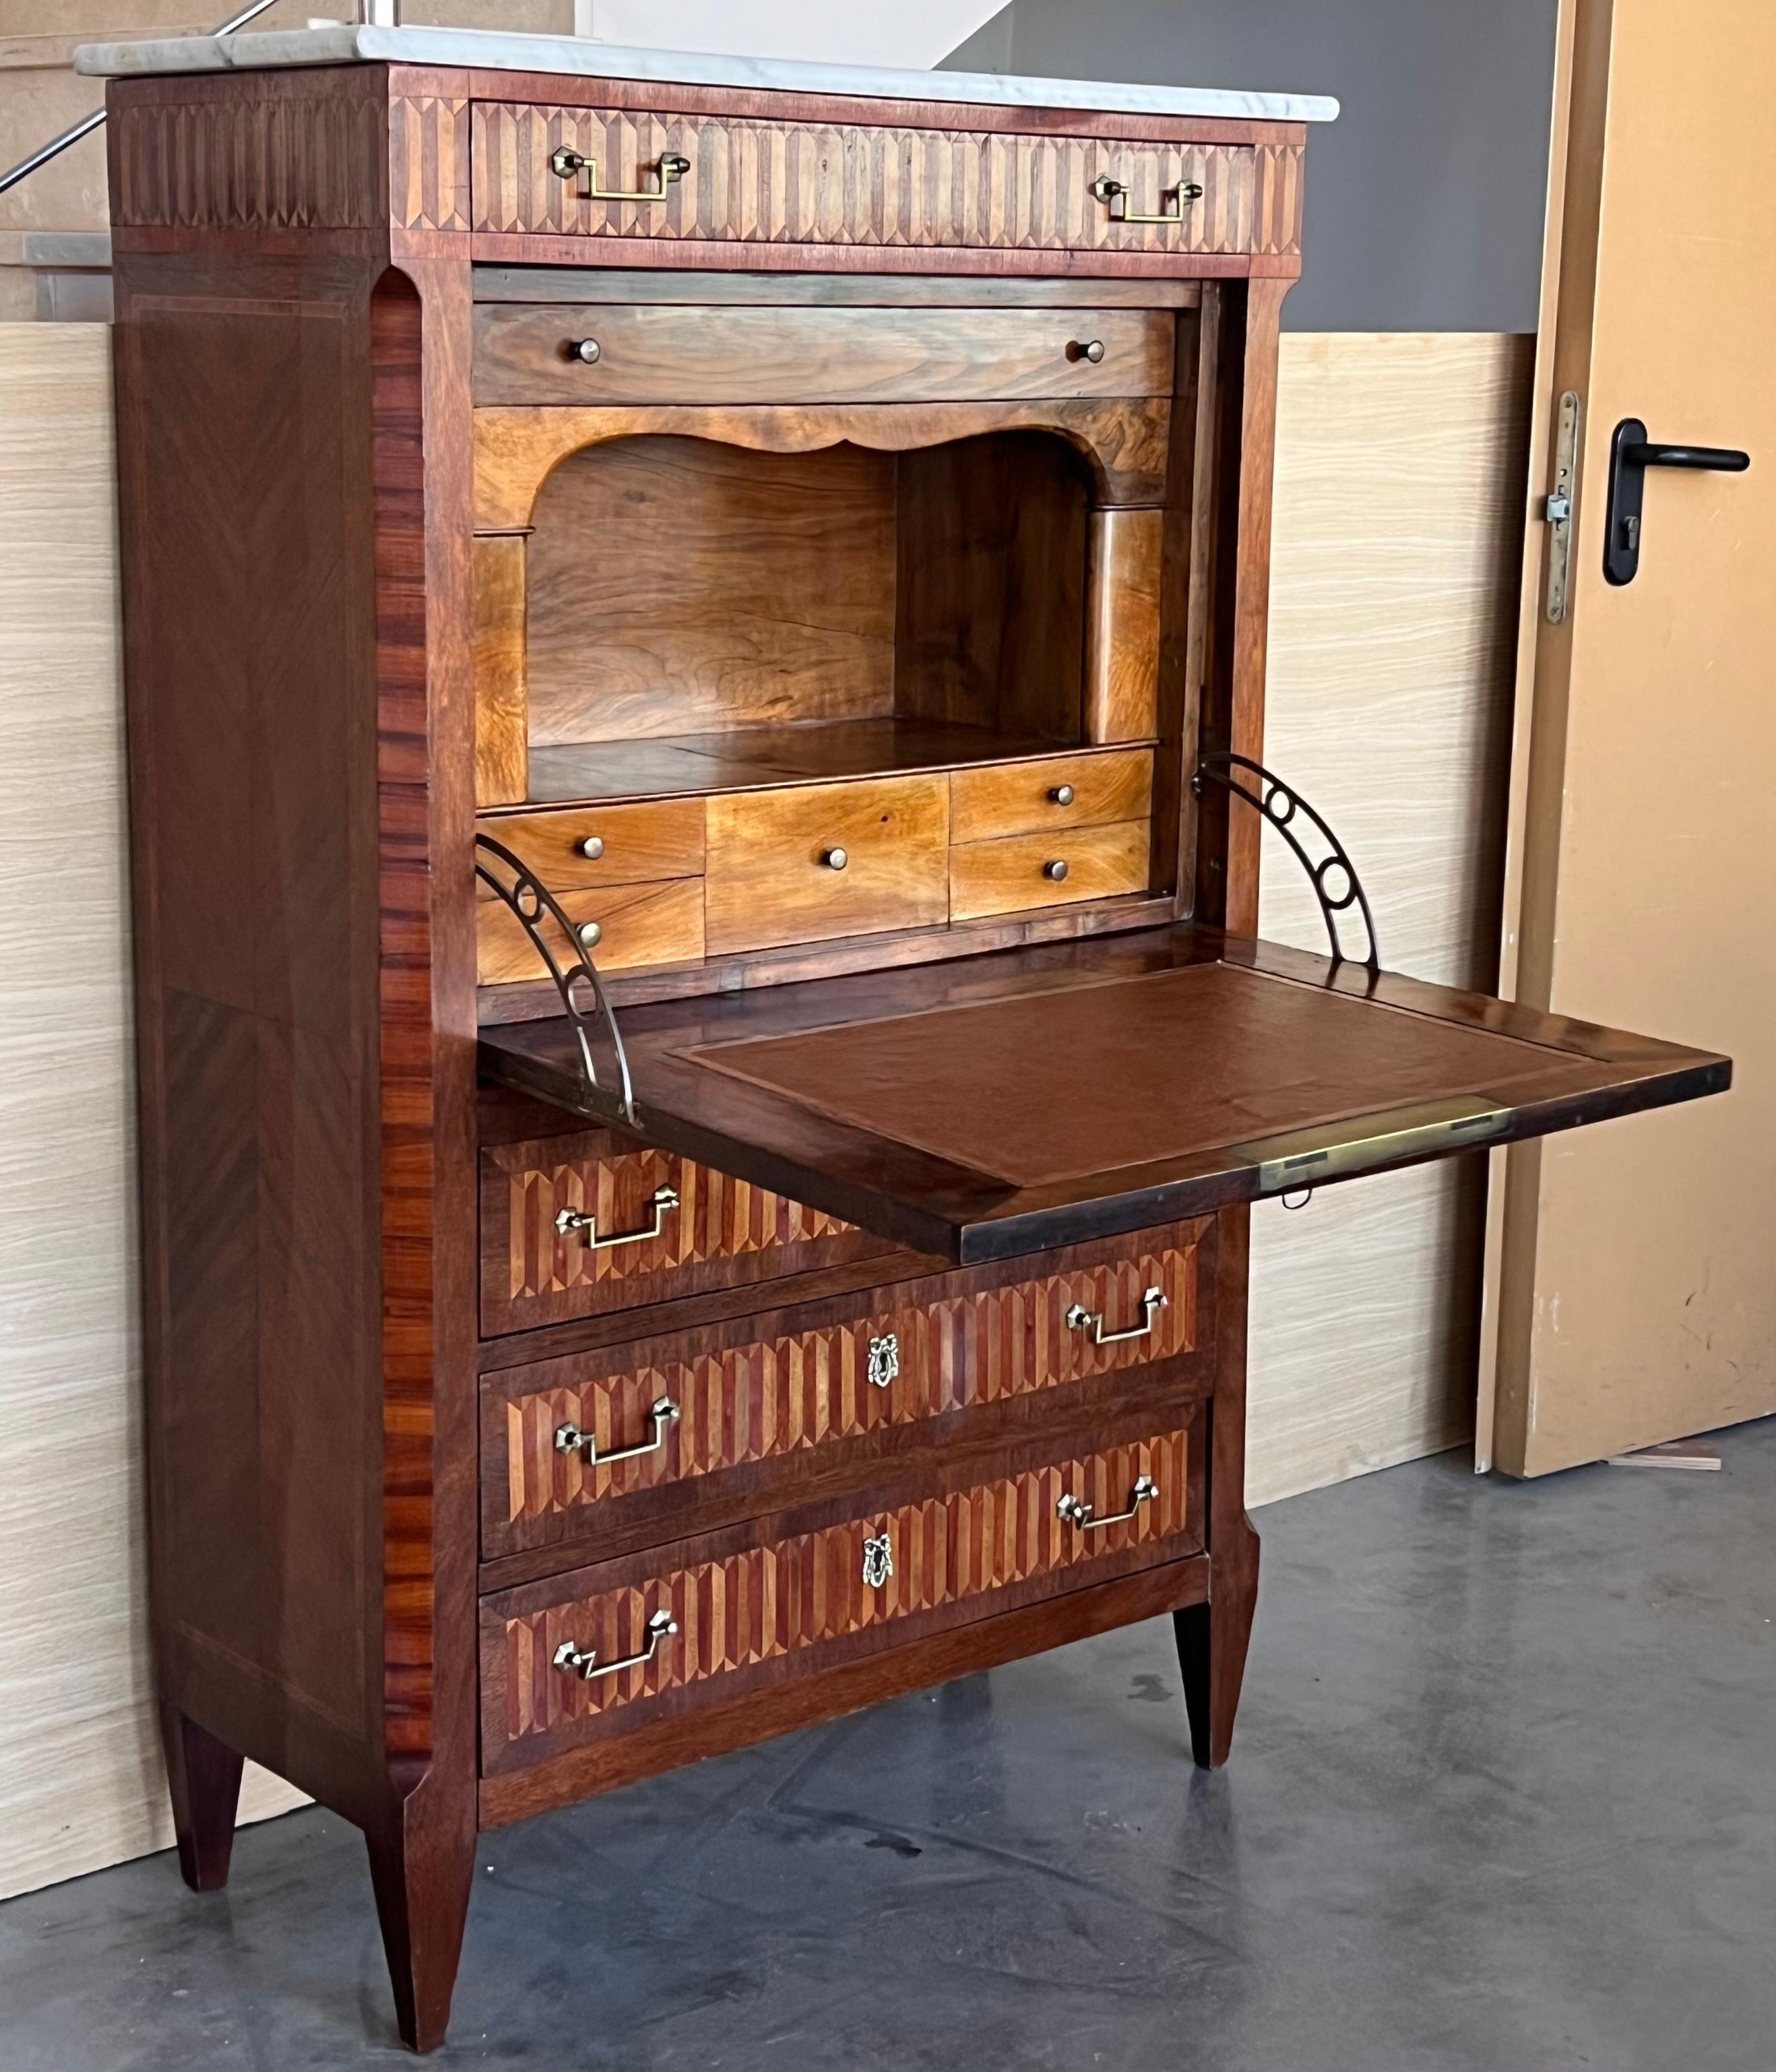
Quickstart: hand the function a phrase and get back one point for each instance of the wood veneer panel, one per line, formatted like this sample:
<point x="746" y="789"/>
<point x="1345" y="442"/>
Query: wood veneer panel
<point x="1018" y="798"/>
<point x="1123" y="625"/>
<point x="755" y="180"/>
<point x="608" y="285"/>
<point x="677" y="584"/>
<point x="1017" y="872"/>
<point x="502" y="772"/>
<point x="787" y="1599"/>
<point x="662" y="838"/>
<point x="795" y="1391"/>
<point x="664" y="354"/>
<point x="770" y="879"/>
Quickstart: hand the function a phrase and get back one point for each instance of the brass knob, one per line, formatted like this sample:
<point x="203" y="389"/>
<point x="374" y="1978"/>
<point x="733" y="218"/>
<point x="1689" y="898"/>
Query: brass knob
<point x="1091" y="349"/>
<point x="1062" y="795"/>
<point x="591" y="934"/>
<point x="592" y="848"/>
<point x="835" y="858"/>
<point x="1055" y="871"/>
<point x="583" y="348"/>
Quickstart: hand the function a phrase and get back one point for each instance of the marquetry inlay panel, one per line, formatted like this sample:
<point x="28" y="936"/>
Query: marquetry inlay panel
<point x="768" y="1397"/>
<point x="428" y="163"/>
<point x="811" y="183"/>
<point x="287" y="157"/>
<point x="786" y="1597"/>
<point x="721" y="1230"/>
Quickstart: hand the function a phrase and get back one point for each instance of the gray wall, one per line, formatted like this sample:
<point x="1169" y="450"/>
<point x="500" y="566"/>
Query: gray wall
<point x="1424" y="199"/>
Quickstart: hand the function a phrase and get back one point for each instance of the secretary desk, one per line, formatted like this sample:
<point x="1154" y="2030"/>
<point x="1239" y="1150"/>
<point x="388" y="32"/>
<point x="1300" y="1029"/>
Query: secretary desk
<point x="695" y="652"/>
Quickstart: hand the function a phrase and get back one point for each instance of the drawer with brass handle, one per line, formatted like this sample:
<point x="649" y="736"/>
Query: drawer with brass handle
<point x="579" y="1225"/>
<point x="544" y="168"/>
<point x="701" y="1621"/>
<point x="1048" y="869"/>
<point x="588" y="353"/>
<point x="652" y="1435"/>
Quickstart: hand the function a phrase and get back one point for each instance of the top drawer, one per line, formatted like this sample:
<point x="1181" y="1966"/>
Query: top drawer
<point x="748" y="181"/>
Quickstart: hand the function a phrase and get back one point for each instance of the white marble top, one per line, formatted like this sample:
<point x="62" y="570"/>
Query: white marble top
<point x="495" y="51"/>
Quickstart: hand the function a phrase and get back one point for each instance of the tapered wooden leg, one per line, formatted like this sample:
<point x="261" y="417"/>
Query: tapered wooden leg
<point x="1212" y="1651"/>
<point x="421" y="1871"/>
<point x="204" y="1780"/>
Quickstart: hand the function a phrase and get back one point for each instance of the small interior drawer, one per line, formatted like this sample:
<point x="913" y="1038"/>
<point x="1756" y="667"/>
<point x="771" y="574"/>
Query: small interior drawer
<point x="572" y="848"/>
<point x="1060" y="869"/>
<point x="590" y="353"/>
<point x="701" y="1620"/>
<point x="661" y="1226"/>
<point x="1056" y="792"/>
<point x="658" y="922"/>
<point x="646" y="1441"/>
<point x="818" y="861"/>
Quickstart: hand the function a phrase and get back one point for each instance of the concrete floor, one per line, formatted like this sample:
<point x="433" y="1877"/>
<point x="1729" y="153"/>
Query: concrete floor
<point x="1503" y="1797"/>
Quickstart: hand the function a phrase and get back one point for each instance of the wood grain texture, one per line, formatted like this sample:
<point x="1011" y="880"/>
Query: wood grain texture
<point x="669" y="354"/>
<point x="653" y="285"/>
<point x="957" y="1342"/>
<point x="785" y="1602"/>
<point x="265" y="151"/>
<point x="1123" y="625"/>
<point x="661" y="838"/>
<point x="1394" y="587"/>
<point x="429" y="161"/>
<point x="723" y="1233"/>
<point x="647" y="924"/>
<point x="1018" y="798"/>
<point x="990" y="604"/>
<point x="81" y="1782"/>
<point x="1005" y="876"/>
<point x="769" y="880"/>
<point x="752" y="180"/>
<point x="502" y="745"/>
<point x="1123" y="441"/>
<point x="677" y="584"/>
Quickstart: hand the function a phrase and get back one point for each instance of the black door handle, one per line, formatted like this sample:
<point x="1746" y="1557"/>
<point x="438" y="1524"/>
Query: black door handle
<point x="1631" y="453"/>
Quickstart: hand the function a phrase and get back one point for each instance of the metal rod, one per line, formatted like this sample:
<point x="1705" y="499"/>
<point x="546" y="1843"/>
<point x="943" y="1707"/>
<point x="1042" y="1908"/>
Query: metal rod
<point x="88" y="123"/>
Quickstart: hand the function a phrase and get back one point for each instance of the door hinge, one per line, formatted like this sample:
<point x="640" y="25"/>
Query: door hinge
<point x="1558" y="509"/>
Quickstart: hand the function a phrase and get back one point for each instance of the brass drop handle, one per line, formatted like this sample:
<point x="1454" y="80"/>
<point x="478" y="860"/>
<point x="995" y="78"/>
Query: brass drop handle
<point x="1060" y="794"/>
<point x="1055" y="871"/>
<point x="570" y="1439"/>
<point x="1077" y="1511"/>
<point x="835" y="858"/>
<point x="1079" y="1318"/>
<point x="1112" y="192"/>
<point x="587" y="349"/>
<point x="565" y="163"/>
<point x="584" y="1225"/>
<point x="584" y="1663"/>
<point x="1089" y="349"/>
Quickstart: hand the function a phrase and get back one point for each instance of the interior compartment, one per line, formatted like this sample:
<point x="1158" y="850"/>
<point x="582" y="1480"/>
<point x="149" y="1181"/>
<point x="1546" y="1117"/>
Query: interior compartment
<point x="702" y="616"/>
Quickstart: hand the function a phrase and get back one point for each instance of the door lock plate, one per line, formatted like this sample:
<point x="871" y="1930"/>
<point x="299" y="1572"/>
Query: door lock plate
<point x="1558" y="510"/>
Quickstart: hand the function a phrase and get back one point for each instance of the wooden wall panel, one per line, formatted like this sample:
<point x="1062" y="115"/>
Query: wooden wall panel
<point x="1399" y="474"/>
<point x="81" y="1778"/>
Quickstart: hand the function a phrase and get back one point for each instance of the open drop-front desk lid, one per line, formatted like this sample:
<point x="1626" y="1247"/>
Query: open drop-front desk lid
<point x="989" y="1106"/>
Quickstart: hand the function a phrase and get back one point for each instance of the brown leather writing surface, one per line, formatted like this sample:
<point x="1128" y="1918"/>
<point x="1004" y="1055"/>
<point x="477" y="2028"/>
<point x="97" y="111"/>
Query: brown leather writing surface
<point x="1085" y="1078"/>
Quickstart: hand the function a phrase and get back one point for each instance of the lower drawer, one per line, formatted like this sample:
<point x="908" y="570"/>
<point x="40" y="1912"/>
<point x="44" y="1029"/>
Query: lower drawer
<point x="583" y="1656"/>
<point x="1020" y="871"/>
<point x="682" y="1433"/>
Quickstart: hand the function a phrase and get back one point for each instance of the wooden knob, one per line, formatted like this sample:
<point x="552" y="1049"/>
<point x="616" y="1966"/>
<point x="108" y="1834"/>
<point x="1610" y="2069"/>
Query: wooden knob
<point x="1055" y="871"/>
<point x="1062" y="795"/>
<point x="592" y="848"/>
<point x="834" y="859"/>
<point x="586" y="349"/>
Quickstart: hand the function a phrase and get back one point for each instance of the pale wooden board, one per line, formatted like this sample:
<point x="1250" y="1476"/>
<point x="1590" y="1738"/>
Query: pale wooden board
<point x="1394" y="589"/>
<point x="80" y="1781"/>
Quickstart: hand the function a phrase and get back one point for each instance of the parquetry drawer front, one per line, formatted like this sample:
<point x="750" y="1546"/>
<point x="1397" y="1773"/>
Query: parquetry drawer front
<point x="570" y="1444"/>
<point x="706" y="1620"/>
<point x="731" y="179"/>
<point x="573" y="1226"/>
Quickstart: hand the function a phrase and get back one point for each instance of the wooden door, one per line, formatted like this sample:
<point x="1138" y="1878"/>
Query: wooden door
<point x="1631" y="1293"/>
